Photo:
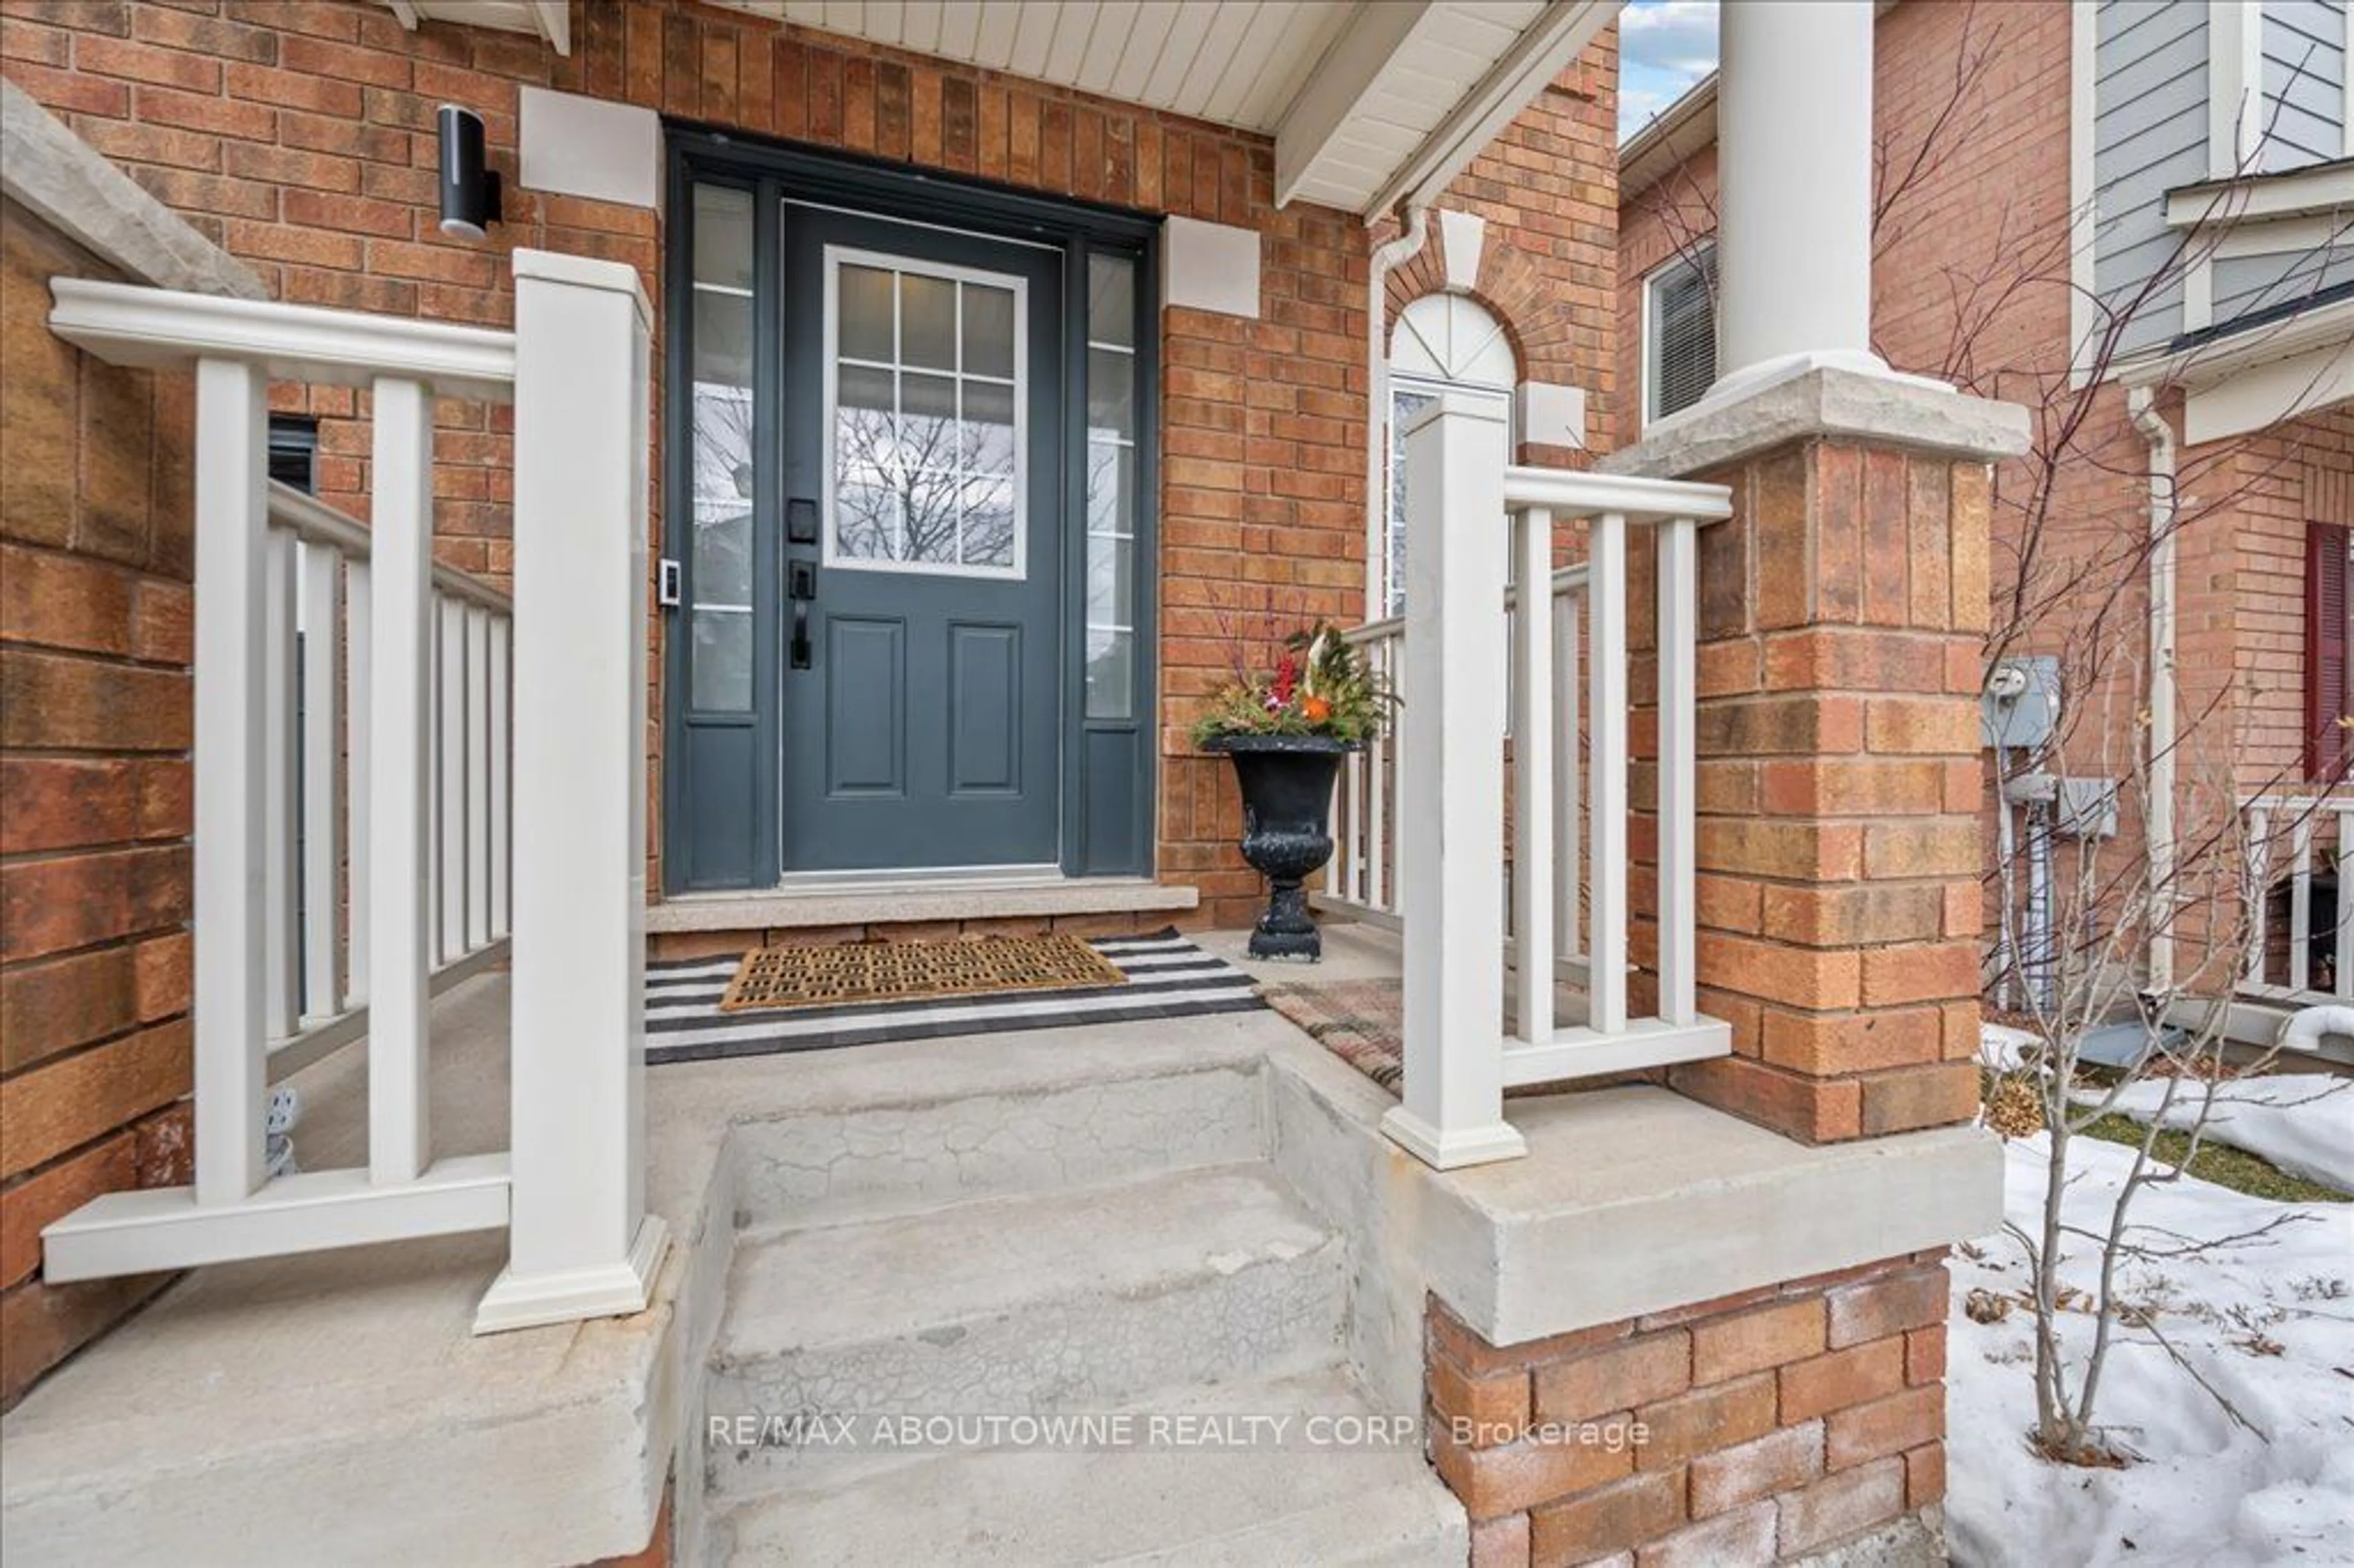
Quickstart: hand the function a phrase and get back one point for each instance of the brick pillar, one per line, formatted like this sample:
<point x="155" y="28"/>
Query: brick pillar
<point x="1842" y="614"/>
<point x="1842" y="617"/>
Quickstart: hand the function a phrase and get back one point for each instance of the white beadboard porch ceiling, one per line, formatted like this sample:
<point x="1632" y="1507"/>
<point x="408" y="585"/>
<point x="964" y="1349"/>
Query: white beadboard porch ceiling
<point x="1369" y="100"/>
<point x="1237" y="62"/>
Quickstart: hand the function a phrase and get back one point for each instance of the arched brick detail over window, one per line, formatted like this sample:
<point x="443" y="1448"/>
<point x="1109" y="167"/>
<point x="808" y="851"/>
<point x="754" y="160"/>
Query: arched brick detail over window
<point x="1511" y="285"/>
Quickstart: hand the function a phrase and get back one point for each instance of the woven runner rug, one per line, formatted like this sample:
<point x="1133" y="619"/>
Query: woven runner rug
<point x="1166" y="977"/>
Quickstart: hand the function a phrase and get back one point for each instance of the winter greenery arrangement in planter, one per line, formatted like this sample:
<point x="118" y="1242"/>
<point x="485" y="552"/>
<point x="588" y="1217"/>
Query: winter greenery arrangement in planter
<point x="1286" y="728"/>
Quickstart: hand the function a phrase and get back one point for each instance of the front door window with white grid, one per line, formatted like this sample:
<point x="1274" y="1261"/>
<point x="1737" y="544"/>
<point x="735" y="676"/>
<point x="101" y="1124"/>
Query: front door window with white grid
<point x="926" y="410"/>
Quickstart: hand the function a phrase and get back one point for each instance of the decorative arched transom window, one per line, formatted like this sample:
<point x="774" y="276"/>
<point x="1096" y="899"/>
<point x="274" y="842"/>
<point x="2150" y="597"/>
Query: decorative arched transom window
<point x="1442" y="343"/>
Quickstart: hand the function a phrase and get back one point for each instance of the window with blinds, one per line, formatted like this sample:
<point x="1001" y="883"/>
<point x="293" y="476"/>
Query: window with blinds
<point x="1679" y="333"/>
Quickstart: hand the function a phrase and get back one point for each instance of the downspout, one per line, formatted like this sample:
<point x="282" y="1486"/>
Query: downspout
<point x="2303" y="1029"/>
<point x="2141" y="402"/>
<point x="1387" y="255"/>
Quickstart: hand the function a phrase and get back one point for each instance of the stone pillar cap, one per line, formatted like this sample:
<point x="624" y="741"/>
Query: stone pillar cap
<point x="1874" y="408"/>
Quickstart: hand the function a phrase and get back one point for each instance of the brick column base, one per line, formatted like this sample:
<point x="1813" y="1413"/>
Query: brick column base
<point x="1762" y="1427"/>
<point x="1842" y="611"/>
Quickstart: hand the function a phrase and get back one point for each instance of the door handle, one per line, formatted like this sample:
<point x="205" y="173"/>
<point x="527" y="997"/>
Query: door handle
<point x="801" y="586"/>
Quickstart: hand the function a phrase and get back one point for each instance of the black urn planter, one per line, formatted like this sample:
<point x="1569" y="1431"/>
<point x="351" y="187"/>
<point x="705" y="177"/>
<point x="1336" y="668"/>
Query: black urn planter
<point x="1287" y="785"/>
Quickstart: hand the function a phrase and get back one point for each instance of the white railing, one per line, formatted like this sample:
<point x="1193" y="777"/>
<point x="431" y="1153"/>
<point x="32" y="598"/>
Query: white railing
<point x="1360" y="880"/>
<point x="317" y="756"/>
<point x="376" y="812"/>
<point x="2301" y="937"/>
<point x="1423" y="821"/>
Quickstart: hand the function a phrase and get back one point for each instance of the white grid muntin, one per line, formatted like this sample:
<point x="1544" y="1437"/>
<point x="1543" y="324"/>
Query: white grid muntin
<point x="837" y="257"/>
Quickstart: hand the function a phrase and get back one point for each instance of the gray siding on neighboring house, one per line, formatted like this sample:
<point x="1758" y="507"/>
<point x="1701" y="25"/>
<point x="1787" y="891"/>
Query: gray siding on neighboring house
<point x="2304" y="83"/>
<point x="2245" y="284"/>
<point x="2149" y="135"/>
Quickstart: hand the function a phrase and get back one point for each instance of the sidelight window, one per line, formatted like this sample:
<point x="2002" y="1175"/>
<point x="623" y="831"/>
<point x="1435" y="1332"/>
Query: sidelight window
<point x="1111" y="487"/>
<point x="720" y="619"/>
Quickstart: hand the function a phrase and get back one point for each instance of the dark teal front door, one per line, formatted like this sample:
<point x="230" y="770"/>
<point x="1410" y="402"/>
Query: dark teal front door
<point x="921" y="698"/>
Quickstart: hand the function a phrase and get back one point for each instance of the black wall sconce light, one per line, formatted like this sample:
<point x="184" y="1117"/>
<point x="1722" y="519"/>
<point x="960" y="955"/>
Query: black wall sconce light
<point x="470" y="186"/>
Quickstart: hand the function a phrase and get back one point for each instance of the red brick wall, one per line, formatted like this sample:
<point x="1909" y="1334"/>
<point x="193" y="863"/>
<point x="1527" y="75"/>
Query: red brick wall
<point x="1547" y="188"/>
<point x="95" y="714"/>
<point x="299" y="136"/>
<point x="1971" y="283"/>
<point x="1753" y="1429"/>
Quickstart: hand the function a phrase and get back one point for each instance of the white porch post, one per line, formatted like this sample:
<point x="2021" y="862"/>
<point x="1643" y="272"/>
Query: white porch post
<point x="582" y="1245"/>
<point x="232" y="958"/>
<point x="1794" y="167"/>
<point x="1451" y="810"/>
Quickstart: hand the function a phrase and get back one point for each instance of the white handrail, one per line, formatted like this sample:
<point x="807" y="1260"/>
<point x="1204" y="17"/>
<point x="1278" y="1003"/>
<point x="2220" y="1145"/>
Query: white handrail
<point x="1565" y="657"/>
<point x="313" y="522"/>
<point x="360" y="762"/>
<point x="126" y="323"/>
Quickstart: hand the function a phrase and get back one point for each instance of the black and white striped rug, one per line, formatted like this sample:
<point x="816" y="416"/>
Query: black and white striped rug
<point x="1168" y="977"/>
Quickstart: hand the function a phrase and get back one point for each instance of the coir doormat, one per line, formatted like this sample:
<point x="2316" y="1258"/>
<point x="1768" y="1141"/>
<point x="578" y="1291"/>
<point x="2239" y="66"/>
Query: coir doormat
<point x="1162" y="976"/>
<point x="839" y="972"/>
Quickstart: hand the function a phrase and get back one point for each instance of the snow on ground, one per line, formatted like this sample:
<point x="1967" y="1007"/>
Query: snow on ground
<point x="2202" y="1491"/>
<point x="2302" y="1122"/>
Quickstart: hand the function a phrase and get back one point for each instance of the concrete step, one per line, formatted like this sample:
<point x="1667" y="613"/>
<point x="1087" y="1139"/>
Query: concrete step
<point x="1312" y="1495"/>
<point x="1113" y="1117"/>
<point x="1062" y="1301"/>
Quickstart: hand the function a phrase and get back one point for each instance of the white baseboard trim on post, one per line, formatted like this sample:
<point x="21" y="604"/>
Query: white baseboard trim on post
<point x="1456" y="1146"/>
<point x="612" y="1290"/>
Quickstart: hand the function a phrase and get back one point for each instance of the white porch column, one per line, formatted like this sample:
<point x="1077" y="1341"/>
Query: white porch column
<point x="582" y="1245"/>
<point x="1794" y="168"/>
<point x="1451" y="793"/>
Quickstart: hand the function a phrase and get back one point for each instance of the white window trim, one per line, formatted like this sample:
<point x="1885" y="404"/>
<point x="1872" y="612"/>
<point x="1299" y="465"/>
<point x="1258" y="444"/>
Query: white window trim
<point x="836" y="258"/>
<point x="1647" y="409"/>
<point x="2083" y="226"/>
<point x="2235" y="86"/>
<point x="1380" y="591"/>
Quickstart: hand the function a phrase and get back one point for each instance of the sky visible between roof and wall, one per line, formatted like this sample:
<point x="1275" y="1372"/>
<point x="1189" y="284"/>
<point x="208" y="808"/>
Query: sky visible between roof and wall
<point x="1664" y="46"/>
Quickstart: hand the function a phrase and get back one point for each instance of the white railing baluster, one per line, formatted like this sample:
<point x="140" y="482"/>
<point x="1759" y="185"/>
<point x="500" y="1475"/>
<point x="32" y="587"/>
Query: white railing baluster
<point x="1534" y="763"/>
<point x="1348" y="878"/>
<point x="450" y="765"/>
<point x="502" y="760"/>
<point x="1378" y="781"/>
<point x="281" y="782"/>
<point x="2342" y="963"/>
<point x="2300" y="900"/>
<point x="231" y="1018"/>
<point x="1678" y="640"/>
<point x="2258" y="913"/>
<point x="478" y="777"/>
<point x="323" y="782"/>
<point x="1569" y="825"/>
<point x="359" y="647"/>
<point x="1606" y="777"/>
<point x="401" y="670"/>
